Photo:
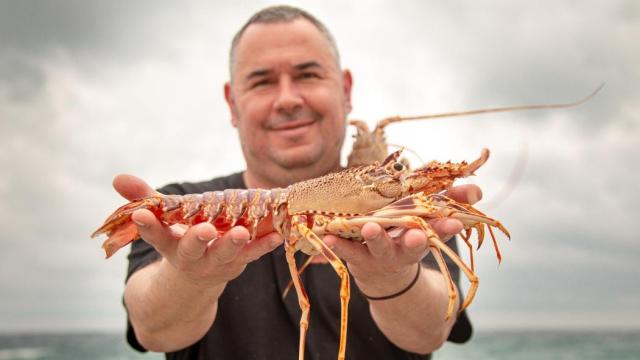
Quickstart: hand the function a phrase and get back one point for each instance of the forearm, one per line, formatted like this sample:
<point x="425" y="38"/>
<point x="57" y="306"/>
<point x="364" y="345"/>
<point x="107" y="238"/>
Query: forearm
<point x="414" y="321"/>
<point x="168" y="311"/>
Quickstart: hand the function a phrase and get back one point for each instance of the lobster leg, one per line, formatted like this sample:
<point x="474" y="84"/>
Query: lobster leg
<point x="300" y="271"/>
<point x="299" y="226"/>
<point x="440" y="206"/>
<point x="453" y="292"/>
<point x="303" y="299"/>
<point x="345" y="225"/>
<point x="473" y="279"/>
<point x="480" y="228"/>
<point x="465" y="237"/>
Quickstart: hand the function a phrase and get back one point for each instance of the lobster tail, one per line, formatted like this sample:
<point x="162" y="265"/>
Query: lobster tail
<point x="119" y="238"/>
<point x="119" y="228"/>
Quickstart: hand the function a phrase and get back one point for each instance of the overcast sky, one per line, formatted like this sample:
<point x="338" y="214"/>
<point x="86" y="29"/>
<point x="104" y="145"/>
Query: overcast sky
<point x="90" y="89"/>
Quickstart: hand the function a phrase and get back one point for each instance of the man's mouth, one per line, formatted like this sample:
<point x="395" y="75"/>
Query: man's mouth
<point x="290" y="125"/>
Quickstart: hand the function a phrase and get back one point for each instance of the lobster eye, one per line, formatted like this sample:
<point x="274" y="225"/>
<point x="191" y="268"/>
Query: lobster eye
<point x="398" y="166"/>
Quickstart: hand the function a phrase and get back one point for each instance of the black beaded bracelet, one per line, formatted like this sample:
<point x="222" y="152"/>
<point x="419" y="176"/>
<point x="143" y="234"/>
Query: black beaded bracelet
<point x="387" y="297"/>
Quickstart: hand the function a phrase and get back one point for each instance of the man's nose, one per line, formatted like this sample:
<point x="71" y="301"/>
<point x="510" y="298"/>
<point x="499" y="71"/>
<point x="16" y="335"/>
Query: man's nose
<point x="288" y="98"/>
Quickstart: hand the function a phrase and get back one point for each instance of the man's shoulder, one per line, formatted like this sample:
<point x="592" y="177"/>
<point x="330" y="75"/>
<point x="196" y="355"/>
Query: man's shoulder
<point x="233" y="181"/>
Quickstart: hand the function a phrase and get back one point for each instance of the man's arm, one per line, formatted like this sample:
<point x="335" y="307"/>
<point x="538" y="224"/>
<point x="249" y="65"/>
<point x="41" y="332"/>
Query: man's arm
<point x="414" y="321"/>
<point x="172" y="303"/>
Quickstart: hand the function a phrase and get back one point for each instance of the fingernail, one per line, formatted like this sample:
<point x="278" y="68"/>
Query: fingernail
<point x="140" y="224"/>
<point x="204" y="238"/>
<point x="236" y="241"/>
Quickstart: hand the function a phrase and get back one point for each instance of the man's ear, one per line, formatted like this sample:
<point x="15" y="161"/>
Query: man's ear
<point x="347" y="83"/>
<point x="228" y="96"/>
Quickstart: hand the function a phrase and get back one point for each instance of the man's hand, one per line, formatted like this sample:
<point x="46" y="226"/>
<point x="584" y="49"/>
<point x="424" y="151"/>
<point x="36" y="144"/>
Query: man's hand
<point x="197" y="252"/>
<point x="414" y="321"/>
<point x="173" y="302"/>
<point x="387" y="265"/>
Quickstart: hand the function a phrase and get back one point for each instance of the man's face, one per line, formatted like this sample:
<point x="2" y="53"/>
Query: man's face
<point x="288" y="98"/>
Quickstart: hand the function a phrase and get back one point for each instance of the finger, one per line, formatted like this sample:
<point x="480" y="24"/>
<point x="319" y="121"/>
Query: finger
<point x="378" y="241"/>
<point x="414" y="244"/>
<point x="446" y="228"/>
<point x="193" y="244"/>
<point x="260" y="246"/>
<point x="348" y="250"/>
<point x="131" y="187"/>
<point x="469" y="193"/>
<point x="154" y="232"/>
<point x="226" y="249"/>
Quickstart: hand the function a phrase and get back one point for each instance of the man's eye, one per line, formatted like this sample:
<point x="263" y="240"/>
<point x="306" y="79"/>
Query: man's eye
<point x="309" y="75"/>
<point x="260" y="83"/>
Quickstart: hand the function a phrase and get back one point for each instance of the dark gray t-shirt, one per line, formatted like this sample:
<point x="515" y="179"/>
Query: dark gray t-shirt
<point x="253" y="322"/>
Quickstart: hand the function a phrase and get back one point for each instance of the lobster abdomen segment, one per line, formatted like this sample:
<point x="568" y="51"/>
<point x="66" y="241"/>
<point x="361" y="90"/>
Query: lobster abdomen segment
<point x="251" y="208"/>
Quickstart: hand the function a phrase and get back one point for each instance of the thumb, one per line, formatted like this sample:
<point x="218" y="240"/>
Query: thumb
<point x="131" y="187"/>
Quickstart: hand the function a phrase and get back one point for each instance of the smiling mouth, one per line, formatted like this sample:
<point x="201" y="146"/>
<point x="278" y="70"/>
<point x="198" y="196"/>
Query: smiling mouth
<point x="290" y="125"/>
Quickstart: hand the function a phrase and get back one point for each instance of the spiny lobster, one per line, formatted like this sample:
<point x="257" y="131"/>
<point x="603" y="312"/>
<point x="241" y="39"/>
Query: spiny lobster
<point x="338" y="203"/>
<point x="375" y="188"/>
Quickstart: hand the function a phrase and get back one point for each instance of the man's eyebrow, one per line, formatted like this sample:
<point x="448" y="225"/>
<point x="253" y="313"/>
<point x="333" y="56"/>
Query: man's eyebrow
<point x="299" y="67"/>
<point x="307" y="65"/>
<point x="258" y="73"/>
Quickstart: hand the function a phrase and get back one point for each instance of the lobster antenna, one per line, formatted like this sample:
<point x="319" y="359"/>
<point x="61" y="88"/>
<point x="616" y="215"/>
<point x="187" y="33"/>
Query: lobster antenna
<point x="393" y="119"/>
<point x="512" y="181"/>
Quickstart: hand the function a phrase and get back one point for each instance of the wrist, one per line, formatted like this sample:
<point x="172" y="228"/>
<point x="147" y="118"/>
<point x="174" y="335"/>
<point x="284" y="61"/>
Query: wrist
<point x="393" y="286"/>
<point x="168" y="272"/>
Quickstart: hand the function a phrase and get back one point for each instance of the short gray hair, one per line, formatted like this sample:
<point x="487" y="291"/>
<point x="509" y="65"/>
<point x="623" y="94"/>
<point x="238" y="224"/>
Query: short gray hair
<point x="281" y="14"/>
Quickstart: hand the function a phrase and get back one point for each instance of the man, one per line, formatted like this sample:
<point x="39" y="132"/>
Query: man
<point x="196" y="296"/>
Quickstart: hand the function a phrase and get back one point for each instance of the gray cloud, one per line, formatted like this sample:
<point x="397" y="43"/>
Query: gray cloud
<point x="90" y="28"/>
<point x="21" y="79"/>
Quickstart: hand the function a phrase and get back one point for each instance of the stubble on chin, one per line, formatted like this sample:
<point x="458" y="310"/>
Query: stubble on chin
<point x="300" y="159"/>
<point x="316" y="160"/>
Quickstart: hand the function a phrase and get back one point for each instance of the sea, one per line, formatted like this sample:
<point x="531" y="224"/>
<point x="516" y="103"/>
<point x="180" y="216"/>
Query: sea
<point x="490" y="345"/>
